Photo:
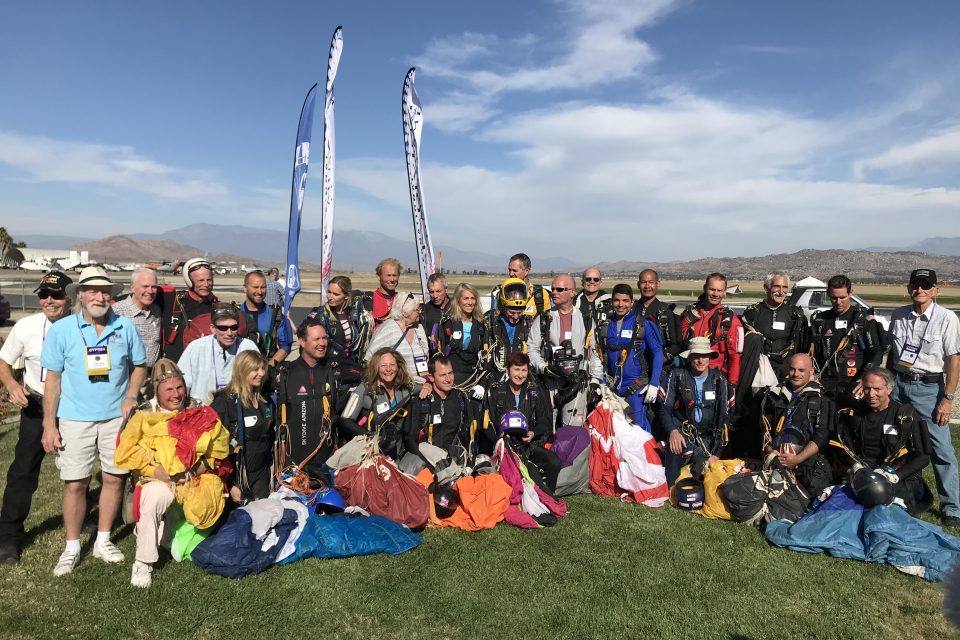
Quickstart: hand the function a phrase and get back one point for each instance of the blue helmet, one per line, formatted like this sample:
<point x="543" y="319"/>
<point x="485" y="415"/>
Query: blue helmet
<point x="514" y="422"/>
<point x="329" y="501"/>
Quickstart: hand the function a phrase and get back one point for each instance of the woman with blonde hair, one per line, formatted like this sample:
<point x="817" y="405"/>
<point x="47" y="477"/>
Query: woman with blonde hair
<point x="249" y="417"/>
<point x="463" y="336"/>
<point x="404" y="334"/>
<point x="382" y="403"/>
<point x="347" y="323"/>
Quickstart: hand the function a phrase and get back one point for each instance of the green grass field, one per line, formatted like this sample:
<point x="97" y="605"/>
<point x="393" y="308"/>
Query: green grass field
<point x="607" y="570"/>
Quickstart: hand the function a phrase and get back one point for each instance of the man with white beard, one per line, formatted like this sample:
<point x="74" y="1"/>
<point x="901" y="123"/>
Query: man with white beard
<point x="95" y="364"/>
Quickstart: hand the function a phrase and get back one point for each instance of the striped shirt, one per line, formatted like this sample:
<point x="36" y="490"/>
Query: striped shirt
<point x="147" y="324"/>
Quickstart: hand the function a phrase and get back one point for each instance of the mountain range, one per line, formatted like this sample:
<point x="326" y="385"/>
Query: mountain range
<point x="354" y="250"/>
<point x="360" y="250"/>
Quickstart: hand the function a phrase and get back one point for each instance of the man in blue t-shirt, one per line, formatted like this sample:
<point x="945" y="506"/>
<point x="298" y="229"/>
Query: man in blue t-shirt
<point x="95" y="365"/>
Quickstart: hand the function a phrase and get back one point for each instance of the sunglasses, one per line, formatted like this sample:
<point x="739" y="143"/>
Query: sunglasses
<point x="560" y="289"/>
<point x="46" y="293"/>
<point x="227" y="327"/>
<point x="918" y="285"/>
<point x="592" y="279"/>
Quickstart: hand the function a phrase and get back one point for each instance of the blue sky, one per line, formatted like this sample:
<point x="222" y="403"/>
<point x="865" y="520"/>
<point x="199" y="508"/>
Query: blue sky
<point x="600" y="130"/>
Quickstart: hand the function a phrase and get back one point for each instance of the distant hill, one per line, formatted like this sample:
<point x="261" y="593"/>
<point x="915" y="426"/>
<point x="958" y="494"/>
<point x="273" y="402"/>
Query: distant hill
<point x="125" y="249"/>
<point x="938" y="245"/>
<point x="353" y="250"/>
<point x="861" y="266"/>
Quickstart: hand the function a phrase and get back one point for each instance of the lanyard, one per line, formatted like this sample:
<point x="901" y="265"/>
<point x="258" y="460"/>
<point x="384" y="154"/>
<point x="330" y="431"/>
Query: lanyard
<point x="43" y="371"/>
<point x="213" y="356"/>
<point x="82" y="337"/>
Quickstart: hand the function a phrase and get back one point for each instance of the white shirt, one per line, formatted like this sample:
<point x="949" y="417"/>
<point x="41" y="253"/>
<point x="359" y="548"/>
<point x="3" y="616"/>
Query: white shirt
<point x="936" y="331"/>
<point x="207" y="366"/>
<point x="26" y="341"/>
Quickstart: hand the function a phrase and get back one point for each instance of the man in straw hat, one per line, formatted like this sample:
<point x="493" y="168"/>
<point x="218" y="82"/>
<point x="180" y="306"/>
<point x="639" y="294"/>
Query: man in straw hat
<point x="95" y="364"/>
<point x="695" y="411"/>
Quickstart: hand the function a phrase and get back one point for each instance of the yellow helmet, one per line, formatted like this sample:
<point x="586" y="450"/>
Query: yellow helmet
<point x="513" y="294"/>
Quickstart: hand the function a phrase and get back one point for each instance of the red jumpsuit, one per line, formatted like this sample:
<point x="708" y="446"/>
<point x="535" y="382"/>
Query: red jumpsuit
<point x="708" y="325"/>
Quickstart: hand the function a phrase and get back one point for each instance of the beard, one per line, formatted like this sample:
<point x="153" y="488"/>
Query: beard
<point x="97" y="310"/>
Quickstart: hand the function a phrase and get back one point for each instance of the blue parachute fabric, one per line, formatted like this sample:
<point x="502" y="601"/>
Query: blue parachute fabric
<point x="842" y="528"/>
<point x="343" y="536"/>
<point x="234" y="552"/>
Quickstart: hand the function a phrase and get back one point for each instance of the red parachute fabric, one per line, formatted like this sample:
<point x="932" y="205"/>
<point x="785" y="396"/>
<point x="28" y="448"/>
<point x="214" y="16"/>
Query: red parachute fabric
<point x="603" y="457"/>
<point x="379" y="487"/>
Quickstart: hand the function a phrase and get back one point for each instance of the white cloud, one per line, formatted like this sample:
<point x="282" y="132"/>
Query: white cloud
<point x="635" y="180"/>
<point x="47" y="160"/>
<point x="603" y="49"/>
<point x="936" y="153"/>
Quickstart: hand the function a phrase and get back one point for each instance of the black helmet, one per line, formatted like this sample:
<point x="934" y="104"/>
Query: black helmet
<point x="870" y="488"/>
<point x="689" y="494"/>
<point x="445" y="499"/>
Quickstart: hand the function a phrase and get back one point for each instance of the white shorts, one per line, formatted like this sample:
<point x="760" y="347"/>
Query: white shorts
<point x="82" y="441"/>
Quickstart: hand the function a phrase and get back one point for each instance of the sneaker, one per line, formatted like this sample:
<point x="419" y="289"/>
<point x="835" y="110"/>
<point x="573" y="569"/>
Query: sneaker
<point x="9" y="553"/>
<point x="107" y="551"/>
<point x="68" y="560"/>
<point x="141" y="574"/>
<point x="951" y="521"/>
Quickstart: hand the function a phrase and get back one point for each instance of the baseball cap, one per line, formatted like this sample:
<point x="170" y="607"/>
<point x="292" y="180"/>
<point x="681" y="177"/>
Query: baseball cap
<point x="54" y="281"/>
<point x="926" y="277"/>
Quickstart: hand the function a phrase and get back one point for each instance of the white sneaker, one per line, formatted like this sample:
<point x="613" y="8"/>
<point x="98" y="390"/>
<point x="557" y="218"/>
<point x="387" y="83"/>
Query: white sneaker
<point x="107" y="551"/>
<point x="141" y="574"/>
<point x="68" y="560"/>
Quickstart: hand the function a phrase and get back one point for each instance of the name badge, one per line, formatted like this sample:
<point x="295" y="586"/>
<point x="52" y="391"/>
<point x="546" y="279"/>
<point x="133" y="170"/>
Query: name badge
<point x="779" y="326"/>
<point x="709" y="395"/>
<point x="514" y="422"/>
<point x="626" y="333"/>
<point x="437" y="418"/>
<point x="457" y="335"/>
<point x="421" y="363"/>
<point x="889" y="430"/>
<point x="840" y="324"/>
<point x="568" y="335"/>
<point x="98" y="361"/>
<point x="383" y="407"/>
<point x="250" y="421"/>
<point x="909" y="355"/>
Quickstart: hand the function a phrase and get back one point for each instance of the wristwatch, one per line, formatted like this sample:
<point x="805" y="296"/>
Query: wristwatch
<point x="949" y="396"/>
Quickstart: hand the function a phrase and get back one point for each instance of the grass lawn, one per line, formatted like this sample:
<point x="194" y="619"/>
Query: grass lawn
<point x="607" y="570"/>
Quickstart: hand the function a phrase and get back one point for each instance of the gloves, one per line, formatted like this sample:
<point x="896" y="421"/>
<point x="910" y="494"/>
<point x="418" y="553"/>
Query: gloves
<point x="594" y="389"/>
<point x="650" y="395"/>
<point x="889" y="475"/>
<point x="477" y="392"/>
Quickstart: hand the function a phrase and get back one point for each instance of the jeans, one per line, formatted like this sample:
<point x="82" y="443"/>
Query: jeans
<point x="24" y="473"/>
<point x="923" y="396"/>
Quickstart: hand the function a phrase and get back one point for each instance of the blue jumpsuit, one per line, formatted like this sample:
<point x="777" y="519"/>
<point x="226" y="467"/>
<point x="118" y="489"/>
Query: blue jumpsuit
<point x="625" y="363"/>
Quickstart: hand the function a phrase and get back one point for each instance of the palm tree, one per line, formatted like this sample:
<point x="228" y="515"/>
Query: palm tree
<point x="10" y="254"/>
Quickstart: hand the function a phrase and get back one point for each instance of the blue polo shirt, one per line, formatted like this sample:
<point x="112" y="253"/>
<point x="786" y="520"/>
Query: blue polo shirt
<point x="64" y="351"/>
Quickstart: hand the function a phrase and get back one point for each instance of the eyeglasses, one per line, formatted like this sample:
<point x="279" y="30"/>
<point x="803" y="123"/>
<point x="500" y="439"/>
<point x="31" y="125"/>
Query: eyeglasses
<point x="560" y="289"/>
<point x="46" y="293"/>
<point x="227" y="327"/>
<point x="592" y="279"/>
<point x="916" y="285"/>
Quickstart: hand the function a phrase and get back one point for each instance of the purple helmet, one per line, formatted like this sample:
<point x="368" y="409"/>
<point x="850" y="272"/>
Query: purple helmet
<point x="514" y="422"/>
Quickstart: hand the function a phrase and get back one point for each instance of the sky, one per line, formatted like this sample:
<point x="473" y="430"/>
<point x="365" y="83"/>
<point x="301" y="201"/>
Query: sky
<point x="592" y="129"/>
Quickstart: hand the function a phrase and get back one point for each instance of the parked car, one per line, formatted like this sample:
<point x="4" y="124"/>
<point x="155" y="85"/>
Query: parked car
<point x="814" y="298"/>
<point x="4" y="310"/>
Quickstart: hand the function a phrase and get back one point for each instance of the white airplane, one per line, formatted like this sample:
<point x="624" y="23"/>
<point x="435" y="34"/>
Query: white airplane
<point x="39" y="264"/>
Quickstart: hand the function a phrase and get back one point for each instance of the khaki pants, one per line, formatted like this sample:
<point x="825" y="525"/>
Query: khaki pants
<point x="155" y="498"/>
